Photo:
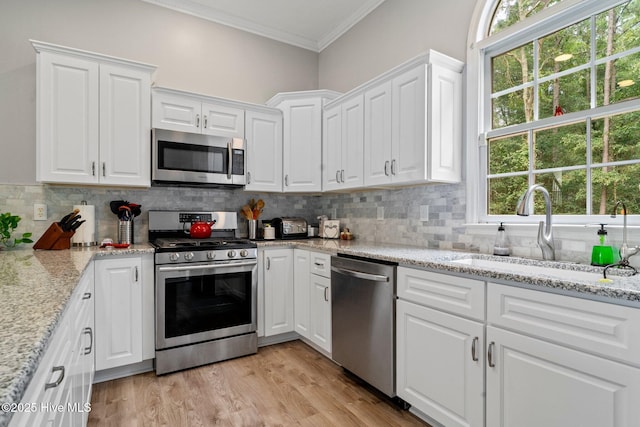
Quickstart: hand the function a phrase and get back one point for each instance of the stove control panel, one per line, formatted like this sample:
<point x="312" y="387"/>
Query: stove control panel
<point x="213" y="257"/>
<point x="194" y="217"/>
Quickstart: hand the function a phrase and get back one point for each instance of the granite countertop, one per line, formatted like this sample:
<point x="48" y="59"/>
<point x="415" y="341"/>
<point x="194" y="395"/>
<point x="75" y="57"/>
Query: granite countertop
<point x="35" y="287"/>
<point x="554" y="276"/>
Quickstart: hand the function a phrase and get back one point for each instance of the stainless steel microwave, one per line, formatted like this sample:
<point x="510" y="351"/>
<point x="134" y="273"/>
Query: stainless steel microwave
<point x="181" y="158"/>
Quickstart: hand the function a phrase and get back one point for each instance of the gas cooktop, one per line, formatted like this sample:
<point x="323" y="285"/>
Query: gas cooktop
<point x="177" y="244"/>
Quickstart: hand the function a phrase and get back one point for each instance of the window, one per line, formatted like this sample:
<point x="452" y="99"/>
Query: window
<point x="559" y="97"/>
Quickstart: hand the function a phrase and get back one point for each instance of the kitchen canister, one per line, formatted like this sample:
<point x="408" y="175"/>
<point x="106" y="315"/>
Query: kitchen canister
<point x="86" y="234"/>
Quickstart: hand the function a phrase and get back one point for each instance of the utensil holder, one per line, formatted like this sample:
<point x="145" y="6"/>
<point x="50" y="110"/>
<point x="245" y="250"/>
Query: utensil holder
<point x="125" y="232"/>
<point x="54" y="238"/>
<point x="253" y="228"/>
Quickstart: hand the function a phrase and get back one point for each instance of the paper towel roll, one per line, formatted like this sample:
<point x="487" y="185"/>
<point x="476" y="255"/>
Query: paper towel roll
<point x="86" y="234"/>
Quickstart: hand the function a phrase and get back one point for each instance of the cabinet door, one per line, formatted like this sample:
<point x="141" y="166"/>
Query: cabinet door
<point x="445" y="130"/>
<point x="320" y="311"/>
<point x="440" y="365"/>
<point x="278" y="291"/>
<point x="174" y="112"/>
<point x="125" y="115"/>
<point x="408" y="124"/>
<point x="331" y="148"/>
<point x="118" y="315"/>
<point x="302" y="145"/>
<point x="301" y="291"/>
<point x="67" y="141"/>
<point x="532" y="383"/>
<point x="264" y="151"/>
<point x="352" y="172"/>
<point x="377" y="135"/>
<point x="222" y="120"/>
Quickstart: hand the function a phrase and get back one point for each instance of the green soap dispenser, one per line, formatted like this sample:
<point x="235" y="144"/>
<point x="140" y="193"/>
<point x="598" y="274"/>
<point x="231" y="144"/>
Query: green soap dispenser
<point x="602" y="254"/>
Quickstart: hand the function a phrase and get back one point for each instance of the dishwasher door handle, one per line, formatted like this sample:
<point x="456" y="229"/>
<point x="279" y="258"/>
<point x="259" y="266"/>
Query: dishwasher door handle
<point x="360" y="274"/>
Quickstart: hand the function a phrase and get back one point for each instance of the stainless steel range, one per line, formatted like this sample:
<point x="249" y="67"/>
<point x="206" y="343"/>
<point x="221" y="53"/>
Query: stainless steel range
<point x="205" y="290"/>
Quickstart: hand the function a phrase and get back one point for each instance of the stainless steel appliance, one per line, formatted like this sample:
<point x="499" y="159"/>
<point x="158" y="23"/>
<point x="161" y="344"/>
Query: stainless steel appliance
<point x="290" y="228"/>
<point x="363" y="295"/>
<point x="180" y="158"/>
<point x="205" y="290"/>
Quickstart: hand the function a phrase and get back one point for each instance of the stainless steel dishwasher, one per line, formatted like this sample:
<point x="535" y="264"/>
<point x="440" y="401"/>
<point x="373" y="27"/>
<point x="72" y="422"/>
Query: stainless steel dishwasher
<point x="363" y="297"/>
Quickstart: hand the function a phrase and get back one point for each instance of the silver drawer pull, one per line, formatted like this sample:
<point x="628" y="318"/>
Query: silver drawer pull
<point x="86" y="295"/>
<point x="59" y="380"/>
<point x="89" y="331"/>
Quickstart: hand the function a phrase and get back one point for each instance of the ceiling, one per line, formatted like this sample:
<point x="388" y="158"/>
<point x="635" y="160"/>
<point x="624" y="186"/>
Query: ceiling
<point x="310" y="24"/>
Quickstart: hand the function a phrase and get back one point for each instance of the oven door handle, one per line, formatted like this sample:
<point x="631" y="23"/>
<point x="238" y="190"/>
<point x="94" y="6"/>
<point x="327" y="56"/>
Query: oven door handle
<point x="206" y="267"/>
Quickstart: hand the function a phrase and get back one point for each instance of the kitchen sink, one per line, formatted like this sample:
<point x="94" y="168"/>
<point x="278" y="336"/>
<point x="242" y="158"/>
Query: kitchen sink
<point x="555" y="270"/>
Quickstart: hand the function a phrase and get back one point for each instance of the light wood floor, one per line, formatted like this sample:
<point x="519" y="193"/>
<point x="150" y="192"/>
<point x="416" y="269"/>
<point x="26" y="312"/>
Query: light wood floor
<point x="286" y="384"/>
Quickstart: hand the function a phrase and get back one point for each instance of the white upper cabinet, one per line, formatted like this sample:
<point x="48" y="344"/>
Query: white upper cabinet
<point x="302" y="138"/>
<point x="94" y="116"/>
<point x="187" y="112"/>
<point x="343" y="144"/>
<point x="413" y="123"/>
<point x="264" y="150"/>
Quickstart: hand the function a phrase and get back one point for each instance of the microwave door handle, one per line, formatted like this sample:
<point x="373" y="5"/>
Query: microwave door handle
<point x="230" y="159"/>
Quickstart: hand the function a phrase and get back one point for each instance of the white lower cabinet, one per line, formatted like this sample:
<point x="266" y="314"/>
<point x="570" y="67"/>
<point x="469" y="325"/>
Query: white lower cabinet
<point x="312" y="295"/>
<point x="59" y="393"/>
<point x="560" y="361"/>
<point x="440" y="358"/>
<point x="124" y="311"/>
<point x="276" y="269"/>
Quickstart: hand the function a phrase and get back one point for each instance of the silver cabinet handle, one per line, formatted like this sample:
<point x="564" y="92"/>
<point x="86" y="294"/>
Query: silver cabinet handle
<point x="474" y="353"/>
<point x="325" y="294"/>
<point x="338" y="176"/>
<point x="104" y="168"/>
<point x="197" y="120"/>
<point x="57" y="382"/>
<point x="393" y="167"/>
<point x="88" y="331"/>
<point x="204" y="126"/>
<point x="86" y="295"/>
<point x="342" y="176"/>
<point x="248" y="177"/>
<point x="230" y="159"/>
<point x="319" y="264"/>
<point x="135" y="274"/>
<point x="93" y="168"/>
<point x="492" y="362"/>
<point x="286" y="180"/>
<point x="386" y="168"/>
<point x="268" y="263"/>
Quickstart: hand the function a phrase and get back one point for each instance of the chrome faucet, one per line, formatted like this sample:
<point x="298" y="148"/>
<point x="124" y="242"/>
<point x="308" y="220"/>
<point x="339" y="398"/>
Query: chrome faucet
<point x="545" y="233"/>
<point x="625" y="251"/>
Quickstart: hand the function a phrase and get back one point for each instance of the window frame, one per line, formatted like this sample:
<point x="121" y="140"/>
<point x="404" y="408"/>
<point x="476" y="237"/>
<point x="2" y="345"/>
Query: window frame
<point x="478" y="128"/>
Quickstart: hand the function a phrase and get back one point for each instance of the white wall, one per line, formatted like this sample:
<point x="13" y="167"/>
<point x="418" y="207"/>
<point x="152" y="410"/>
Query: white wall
<point x="396" y="31"/>
<point x="191" y="54"/>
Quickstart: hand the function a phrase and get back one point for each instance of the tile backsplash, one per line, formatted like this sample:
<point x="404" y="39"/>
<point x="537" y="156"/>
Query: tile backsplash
<point x="430" y="216"/>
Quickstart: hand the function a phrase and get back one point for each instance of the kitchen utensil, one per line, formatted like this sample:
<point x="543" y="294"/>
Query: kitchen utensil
<point x="201" y="229"/>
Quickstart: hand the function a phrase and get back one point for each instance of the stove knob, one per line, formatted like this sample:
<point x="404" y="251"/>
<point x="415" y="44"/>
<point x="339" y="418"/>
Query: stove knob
<point x="211" y="255"/>
<point x="231" y="254"/>
<point x="174" y="256"/>
<point x="188" y="256"/>
<point x="244" y="253"/>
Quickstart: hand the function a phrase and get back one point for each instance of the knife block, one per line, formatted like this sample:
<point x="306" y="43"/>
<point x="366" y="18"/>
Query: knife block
<point x="54" y="238"/>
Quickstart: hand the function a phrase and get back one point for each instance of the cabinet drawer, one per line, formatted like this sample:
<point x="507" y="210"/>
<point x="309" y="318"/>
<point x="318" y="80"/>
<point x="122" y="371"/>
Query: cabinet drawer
<point x="320" y="264"/>
<point x="457" y="295"/>
<point x="609" y="330"/>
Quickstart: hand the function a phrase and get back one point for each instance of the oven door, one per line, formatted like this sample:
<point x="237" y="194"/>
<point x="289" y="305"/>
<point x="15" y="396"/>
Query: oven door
<point x="201" y="302"/>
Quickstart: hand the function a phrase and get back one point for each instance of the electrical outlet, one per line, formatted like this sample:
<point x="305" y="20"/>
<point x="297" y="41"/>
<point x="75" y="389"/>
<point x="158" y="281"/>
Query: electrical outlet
<point x="380" y="213"/>
<point x="39" y="212"/>
<point x="424" y="213"/>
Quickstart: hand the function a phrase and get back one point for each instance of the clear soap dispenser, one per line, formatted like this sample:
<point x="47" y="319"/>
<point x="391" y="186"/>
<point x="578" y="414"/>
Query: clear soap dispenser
<point x="502" y="247"/>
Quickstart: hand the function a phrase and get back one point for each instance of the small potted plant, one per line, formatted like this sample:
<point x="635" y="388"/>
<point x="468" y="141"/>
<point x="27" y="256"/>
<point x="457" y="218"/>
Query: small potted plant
<point x="8" y="223"/>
